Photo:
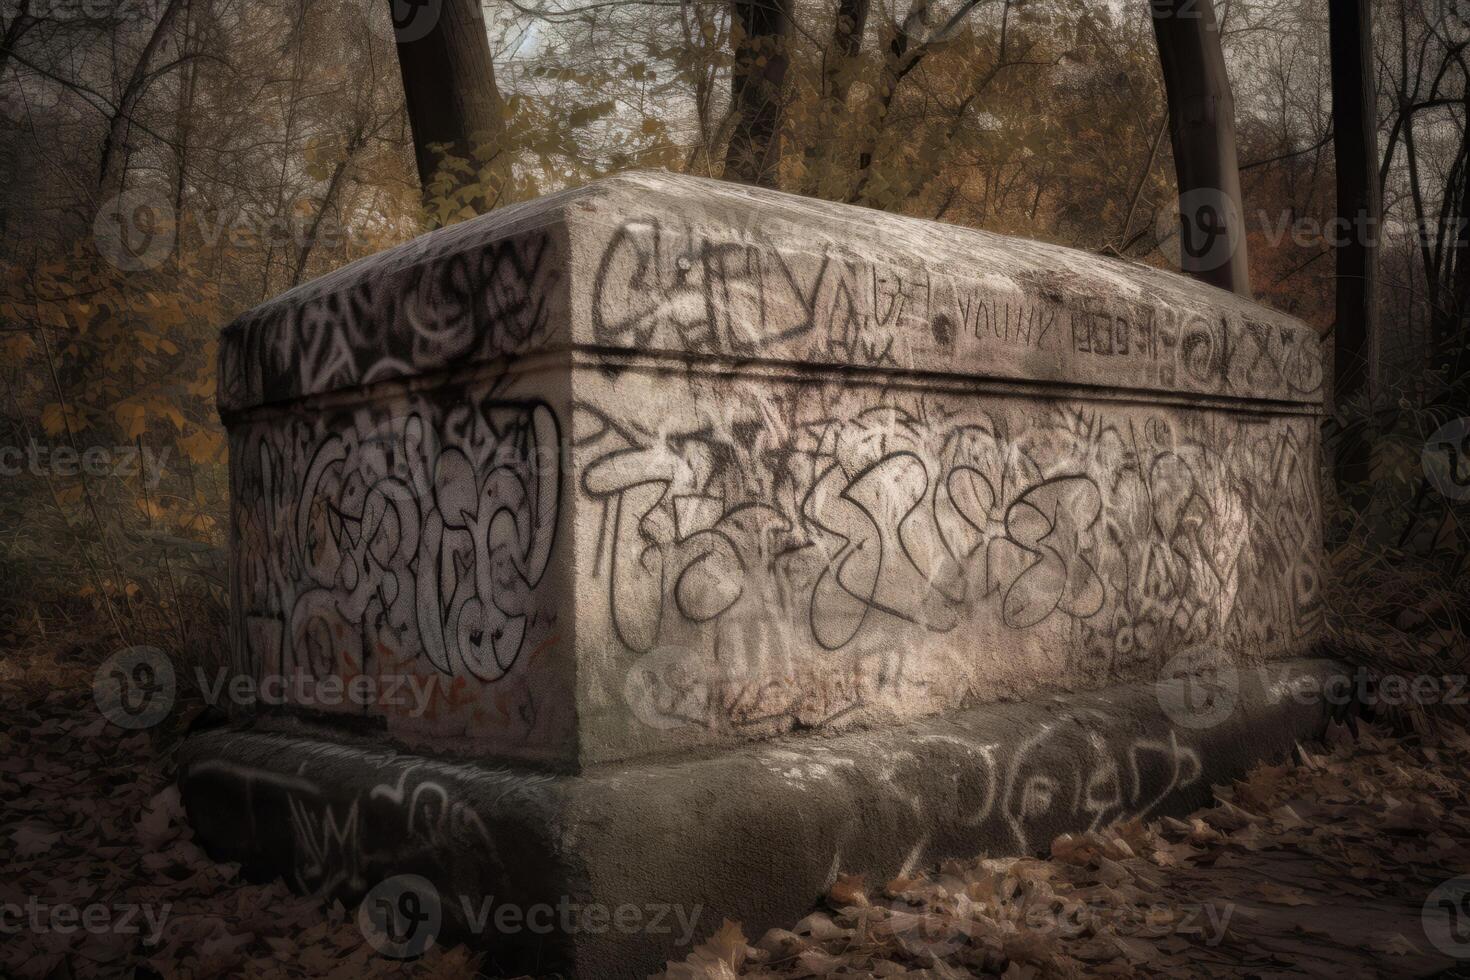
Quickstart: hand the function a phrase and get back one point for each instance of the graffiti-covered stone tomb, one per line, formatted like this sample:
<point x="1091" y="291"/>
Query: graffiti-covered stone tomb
<point x="667" y="544"/>
<point x="664" y="462"/>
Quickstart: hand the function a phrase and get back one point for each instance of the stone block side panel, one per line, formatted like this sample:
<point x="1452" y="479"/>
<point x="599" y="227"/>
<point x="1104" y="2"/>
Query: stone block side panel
<point x="761" y="555"/>
<point x="724" y="272"/>
<point x="417" y="539"/>
<point x="441" y="301"/>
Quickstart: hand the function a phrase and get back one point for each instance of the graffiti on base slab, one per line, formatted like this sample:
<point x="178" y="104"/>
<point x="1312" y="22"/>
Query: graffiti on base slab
<point x="341" y="843"/>
<point x="1018" y="795"/>
<point x="1112" y="784"/>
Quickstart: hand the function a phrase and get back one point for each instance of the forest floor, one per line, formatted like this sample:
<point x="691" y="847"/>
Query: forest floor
<point x="1331" y="864"/>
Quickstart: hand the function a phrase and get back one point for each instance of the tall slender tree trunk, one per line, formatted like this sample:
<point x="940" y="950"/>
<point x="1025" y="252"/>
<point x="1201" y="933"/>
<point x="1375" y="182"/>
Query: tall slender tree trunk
<point x="1355" y="147"/>
<point x="1451" y="316"/>
<point x="694" y="20"/>
<point x="1202" y="128"/>
<point x="115" y="145"/>
<point x="184" y="121"/>
<point x="849" y="24"/>
<point x="449" y="89"/>
<point x="760" y="36"/>
<point x="329" y="202"/>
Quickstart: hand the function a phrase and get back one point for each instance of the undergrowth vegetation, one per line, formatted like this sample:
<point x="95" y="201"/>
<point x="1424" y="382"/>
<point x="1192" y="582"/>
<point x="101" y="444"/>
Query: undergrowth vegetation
<point x="1397" y="582"/>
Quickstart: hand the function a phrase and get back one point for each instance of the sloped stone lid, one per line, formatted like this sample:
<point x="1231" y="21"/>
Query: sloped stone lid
<point x="669" y="265"/>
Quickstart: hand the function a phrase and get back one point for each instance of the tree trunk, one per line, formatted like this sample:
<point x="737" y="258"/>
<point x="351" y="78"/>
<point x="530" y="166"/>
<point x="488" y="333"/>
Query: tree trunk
<point x="1355" y="146"/>
<point x="903" y="57"/>
<point x="848" y="27"/>
<point x="1202" y="128"/>
<point x="694" y="20"/>
<point x="184" y="121"/>
<point x="1451" y="315"/>
<point x="450" y="92"/>
<point x="355" y="143"/>
<point x="760" y="35"/>
<point x="110" y="172"/>
<point x="896" y="64"/>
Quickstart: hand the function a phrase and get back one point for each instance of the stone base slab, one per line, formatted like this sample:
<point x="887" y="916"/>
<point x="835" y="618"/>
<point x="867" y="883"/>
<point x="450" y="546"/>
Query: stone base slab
<point x="611" y="871"/>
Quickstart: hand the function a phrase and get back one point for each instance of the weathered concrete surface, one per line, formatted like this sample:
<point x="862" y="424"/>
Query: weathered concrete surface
<point x="664" y="462"/>
<point x="662" y="263"/>
<point x="755" y="833"/>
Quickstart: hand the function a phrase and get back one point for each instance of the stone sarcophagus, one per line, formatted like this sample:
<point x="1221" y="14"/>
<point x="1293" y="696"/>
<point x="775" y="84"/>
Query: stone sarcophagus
<point x="664" y="463"/>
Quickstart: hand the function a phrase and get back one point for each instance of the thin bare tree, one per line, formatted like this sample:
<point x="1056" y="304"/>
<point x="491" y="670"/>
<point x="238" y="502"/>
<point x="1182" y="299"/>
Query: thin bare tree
<point x="1202" y="129"/>
<point x="757" y="89"/>
<point x="1355" y="147"/>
